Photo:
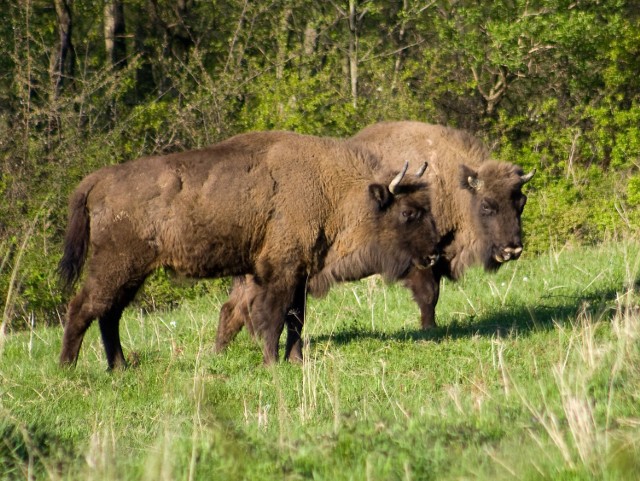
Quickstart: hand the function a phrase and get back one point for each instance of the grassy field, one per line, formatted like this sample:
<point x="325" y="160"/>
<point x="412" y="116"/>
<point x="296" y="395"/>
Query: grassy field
<point x="533" y="374"/>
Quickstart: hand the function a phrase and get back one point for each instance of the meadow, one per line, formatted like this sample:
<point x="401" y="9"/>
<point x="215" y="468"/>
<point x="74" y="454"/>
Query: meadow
<point x="534" y="373"/>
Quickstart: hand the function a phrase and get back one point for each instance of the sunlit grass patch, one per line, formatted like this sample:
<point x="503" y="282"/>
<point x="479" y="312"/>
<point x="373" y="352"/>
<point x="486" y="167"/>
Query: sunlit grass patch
<point x="532" y="374"/>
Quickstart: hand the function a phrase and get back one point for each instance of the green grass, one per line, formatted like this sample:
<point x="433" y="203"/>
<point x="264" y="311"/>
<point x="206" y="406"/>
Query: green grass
<point x="533" y="374"/>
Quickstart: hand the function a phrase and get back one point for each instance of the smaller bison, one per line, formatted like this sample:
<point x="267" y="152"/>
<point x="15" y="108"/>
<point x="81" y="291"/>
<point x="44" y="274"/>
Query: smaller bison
<point x="268" y="204"/>
<point x="477" y="203"/>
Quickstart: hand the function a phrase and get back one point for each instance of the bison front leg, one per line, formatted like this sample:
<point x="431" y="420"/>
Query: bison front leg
<point x="295" y="322"/>
<point x="425" y="287"/>
<point x="268" y="315"/>
<point x="239" y="308"/>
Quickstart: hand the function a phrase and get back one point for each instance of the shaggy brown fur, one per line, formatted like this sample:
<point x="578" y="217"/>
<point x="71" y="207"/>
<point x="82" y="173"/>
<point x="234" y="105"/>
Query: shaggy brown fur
<point x="269" y="204"/>
<point x="477" y="203"/>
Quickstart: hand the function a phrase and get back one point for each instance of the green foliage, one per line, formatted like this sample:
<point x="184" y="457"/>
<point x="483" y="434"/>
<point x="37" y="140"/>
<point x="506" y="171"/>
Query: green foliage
<point x="617" y="135"/>
<point x="633" y="190"/>
<point x="566" y="202"/>
<point x="148" y="124"/>
<point x="304" y="105"/>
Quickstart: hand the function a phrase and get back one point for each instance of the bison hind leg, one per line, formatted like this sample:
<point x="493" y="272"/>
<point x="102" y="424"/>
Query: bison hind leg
<point x="110" y="327"/>
<point x="80" y="314"/>
<point x="95" y="302"/>
<point x="111" y="284"/>
<point x="92" y="302"/>
<point x="230" y="324"/>
<point x="235" y="313"/>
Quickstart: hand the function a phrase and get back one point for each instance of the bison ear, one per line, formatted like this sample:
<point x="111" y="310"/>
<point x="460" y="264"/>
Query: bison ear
<point x="381" y="195"/>
<point x="469" y="179"/>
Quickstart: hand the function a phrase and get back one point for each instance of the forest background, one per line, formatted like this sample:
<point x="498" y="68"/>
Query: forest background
<point x="548" y="84"/>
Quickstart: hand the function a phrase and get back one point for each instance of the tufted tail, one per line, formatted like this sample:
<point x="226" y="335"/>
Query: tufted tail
<point x="76" y="239"/>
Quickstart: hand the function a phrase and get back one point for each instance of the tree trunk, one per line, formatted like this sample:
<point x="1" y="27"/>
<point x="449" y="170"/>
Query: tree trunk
<point x="283" y="33"/>
<point x="309" y="46"/>
<point x="310" y="39"/>
<point x="353" y="52"/>
<point x="401" y="52"/>
<point x="281" y="54"/>
<point x="170" y="23"/>
<point x="501" y="79"/>
<point x="114" y="34"/>
<point x="64" y="59"/>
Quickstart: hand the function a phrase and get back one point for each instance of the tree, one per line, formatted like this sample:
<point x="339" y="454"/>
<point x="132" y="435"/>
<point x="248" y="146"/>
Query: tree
<point x="114" y="34"/>
<point x="354" y="16"/>
<point x="64" y="58"/>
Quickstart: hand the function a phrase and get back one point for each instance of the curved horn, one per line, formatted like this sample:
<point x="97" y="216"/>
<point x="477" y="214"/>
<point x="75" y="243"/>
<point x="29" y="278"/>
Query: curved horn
<point x="527" y="177"/>
<point x="398" y="178"/>
<point x="421" y="170"/>
<point x="475" y="183"/>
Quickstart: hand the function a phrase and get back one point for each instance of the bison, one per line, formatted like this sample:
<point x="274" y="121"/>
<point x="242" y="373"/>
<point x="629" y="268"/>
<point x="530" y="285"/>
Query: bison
<point x="476" y="201"/>
<point x="268" y="204"/>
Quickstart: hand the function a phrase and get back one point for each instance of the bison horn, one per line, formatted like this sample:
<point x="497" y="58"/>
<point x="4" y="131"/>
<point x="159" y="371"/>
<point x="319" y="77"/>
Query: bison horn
<point x="398" y="178"/>
<point x="421" y="170"/>
<point x="527" y="177"/>
<point x="474" y="182"/>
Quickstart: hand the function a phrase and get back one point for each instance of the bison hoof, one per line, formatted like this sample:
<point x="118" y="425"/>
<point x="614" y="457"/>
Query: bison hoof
<point x="427" y="326"/>
<point x="294" y="359"/>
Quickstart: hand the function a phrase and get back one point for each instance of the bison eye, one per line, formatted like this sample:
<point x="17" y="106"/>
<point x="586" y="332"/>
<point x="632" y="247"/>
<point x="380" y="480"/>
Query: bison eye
<point x="410" y="215"/>
<point x="487" y="209"/>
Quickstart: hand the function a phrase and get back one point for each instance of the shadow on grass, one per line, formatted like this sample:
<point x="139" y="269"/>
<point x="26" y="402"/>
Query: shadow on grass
<point x="499" y="322"/>
<point x="30" y="445"/>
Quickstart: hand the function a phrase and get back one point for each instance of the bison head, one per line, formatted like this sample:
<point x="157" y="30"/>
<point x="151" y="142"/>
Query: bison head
<point x="404" y="224"/>
<point x="396" y="233"/>
<point x="496" y="205"/>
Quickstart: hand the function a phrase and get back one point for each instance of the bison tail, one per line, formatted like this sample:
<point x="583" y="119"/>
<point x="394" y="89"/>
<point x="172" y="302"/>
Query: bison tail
<point x="76" y="239"/>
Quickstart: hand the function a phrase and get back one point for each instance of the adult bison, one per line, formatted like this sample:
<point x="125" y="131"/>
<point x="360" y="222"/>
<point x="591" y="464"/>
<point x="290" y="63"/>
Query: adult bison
<point x="476" y="201"/>
<point x="479" y="224"/>
<point x="269" y="204"/>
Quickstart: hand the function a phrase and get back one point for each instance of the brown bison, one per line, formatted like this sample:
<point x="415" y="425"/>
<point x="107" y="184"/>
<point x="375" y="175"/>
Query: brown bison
<point x="477" y="203"/>
<point x="269" y="204"/>
<point x="479" y="224"/>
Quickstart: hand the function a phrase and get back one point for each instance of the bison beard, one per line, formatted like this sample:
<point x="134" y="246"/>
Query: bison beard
<point x="477" y="205"/>
<point x="231" y="209"/>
